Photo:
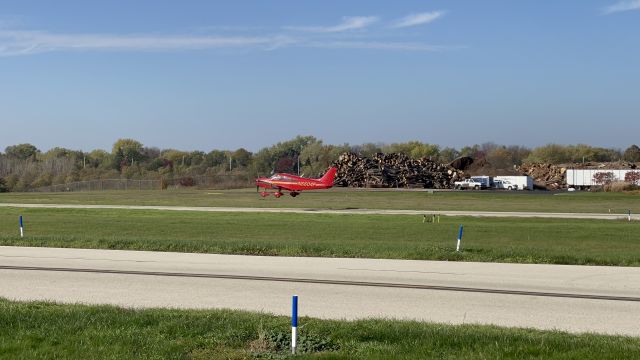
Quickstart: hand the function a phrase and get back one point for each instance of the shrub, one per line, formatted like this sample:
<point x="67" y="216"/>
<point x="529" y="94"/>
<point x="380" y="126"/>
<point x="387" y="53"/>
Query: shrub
<point x="603" y="178"/>
<point x="3" y="186"/>
<point x="11" y="180"/>
<point x="45" y="179"/>
<point x="187" y="181"/>
<point x="620" y="186"/>
<point x="632" y="177"/>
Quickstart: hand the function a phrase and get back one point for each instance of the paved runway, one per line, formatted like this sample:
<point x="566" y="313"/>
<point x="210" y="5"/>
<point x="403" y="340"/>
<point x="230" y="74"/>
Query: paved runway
<point x="594" y="216"/>
<point x="572" y="298"/>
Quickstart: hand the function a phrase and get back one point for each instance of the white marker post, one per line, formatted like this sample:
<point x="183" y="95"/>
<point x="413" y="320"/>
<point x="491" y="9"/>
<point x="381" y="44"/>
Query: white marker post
<point x="294" y="324"/>
<point x="629" y="215"/>
<point x="459" y="239"/>
<point x="21" y="228"/>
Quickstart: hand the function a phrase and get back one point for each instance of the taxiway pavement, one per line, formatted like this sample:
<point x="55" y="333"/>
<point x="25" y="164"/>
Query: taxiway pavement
<point x="571" y="298"/>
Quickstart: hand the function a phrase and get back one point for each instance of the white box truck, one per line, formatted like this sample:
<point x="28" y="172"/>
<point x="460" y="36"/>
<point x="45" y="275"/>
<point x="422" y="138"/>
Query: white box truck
<point x="522" y="182"/>
<point x="485" y="181"/>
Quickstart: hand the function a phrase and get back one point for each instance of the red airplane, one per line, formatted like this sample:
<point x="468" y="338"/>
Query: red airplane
<point x="295" y="184"/>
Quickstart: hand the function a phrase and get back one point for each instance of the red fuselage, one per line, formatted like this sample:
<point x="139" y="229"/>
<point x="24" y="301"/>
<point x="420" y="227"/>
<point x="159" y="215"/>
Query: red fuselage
<point x="296" y="183"/>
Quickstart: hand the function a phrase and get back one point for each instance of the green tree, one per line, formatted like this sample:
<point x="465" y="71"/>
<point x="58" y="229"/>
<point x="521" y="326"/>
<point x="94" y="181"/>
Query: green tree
<point x="448" y="154"/>
<point x="100" y="159"/>
<point x="215" y="158"/>
<point x="241" y="157"/>
<point x="471" y="151"/>
<point x="518" y="153"/>
<point x="262" y="164"/>
<point x="632" y="154"/>
<point x="3" y="186"/>
<point x="155" y="164"/>
<point x="126" y="152"/>
<point x="558" y="154"/>
<point x="550" y="153"/>
<point x="151" y="153"/>
<point x="413" y="149"/>
<point x="367" y="149"/>
<point x="583" y="152"/>
<point x="177" y="157"/>
<point x="283" y="156"/>
<point x="317" y="157"/>
<point x="425" y="151"/>
<point x="22" y="151"/>
<point x="197" y="158"/>
<point x="59" y="152"/>
<point x="499" y="158"/>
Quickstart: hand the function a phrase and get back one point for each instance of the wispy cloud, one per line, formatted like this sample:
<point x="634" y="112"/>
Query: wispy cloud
<point x="348" y="23"/>
<point x="622" y="6"/>
<point x="376" y="45"/>
<point x="27" y="42"/>
<point x="418" y="19"/>
<point x="30" y="42"/>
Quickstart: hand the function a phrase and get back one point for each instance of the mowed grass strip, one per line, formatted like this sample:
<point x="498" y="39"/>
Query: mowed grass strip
<point x="341" y="198"/>
<point x="552" y="241"/>
<point x="53" y="331"/>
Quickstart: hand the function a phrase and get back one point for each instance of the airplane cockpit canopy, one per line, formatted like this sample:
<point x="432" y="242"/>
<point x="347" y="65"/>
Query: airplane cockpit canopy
<point x="280" y="177"/>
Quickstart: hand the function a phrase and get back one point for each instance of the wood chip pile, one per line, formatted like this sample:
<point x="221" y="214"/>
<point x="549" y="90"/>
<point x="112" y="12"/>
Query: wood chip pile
<point x="545" y="175"/>
<point x="553" y="177"/>
<point x="394" y="170"/>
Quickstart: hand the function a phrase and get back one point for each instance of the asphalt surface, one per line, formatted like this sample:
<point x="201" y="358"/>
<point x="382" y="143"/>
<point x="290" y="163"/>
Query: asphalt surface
<point x="570" y="298"/>
<point x="593" y="216"/>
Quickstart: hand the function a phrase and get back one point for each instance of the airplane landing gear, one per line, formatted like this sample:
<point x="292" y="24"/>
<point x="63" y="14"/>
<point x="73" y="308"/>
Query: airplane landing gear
<point x="294" y="193"/>
<point x="264" y="194"/>
<point x="278" y="194"/>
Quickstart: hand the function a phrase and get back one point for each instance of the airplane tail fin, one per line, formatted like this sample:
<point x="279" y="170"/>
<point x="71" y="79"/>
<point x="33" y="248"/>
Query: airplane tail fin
<point x="329" y="176"/>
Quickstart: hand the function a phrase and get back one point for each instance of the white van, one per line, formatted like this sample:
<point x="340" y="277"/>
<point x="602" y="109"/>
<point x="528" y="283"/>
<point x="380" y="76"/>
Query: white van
<point x="504" y="184"/>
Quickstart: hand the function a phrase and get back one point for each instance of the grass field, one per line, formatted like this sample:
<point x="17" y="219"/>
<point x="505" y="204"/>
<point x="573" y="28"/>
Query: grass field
<point x="353" y="199"/>
<point x="557" y="241"/>
<point x="52" y="331"/>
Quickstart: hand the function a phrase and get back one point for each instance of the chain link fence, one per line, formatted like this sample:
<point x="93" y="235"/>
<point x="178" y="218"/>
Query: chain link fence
<point x="204" y="182"/>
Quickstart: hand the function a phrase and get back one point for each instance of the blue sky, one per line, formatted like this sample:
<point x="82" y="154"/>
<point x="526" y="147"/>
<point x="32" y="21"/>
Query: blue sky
<point x="213" y="74"/>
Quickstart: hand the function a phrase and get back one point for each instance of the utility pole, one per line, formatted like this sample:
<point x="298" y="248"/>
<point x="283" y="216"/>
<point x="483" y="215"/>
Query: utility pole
<point x="299" y="152"/>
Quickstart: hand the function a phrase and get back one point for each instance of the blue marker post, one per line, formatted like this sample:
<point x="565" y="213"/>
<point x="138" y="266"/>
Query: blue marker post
<point x="459" y="239"/>
<point x="21" y="228"/>
<point x="294" y="324"/>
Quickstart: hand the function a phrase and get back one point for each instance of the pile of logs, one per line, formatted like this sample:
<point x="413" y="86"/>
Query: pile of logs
<point x="547" y="176"/>
<point x="394" y="170"/>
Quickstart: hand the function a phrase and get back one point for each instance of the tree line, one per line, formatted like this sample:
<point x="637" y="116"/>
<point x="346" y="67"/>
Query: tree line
<point x="24" y="166"/>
